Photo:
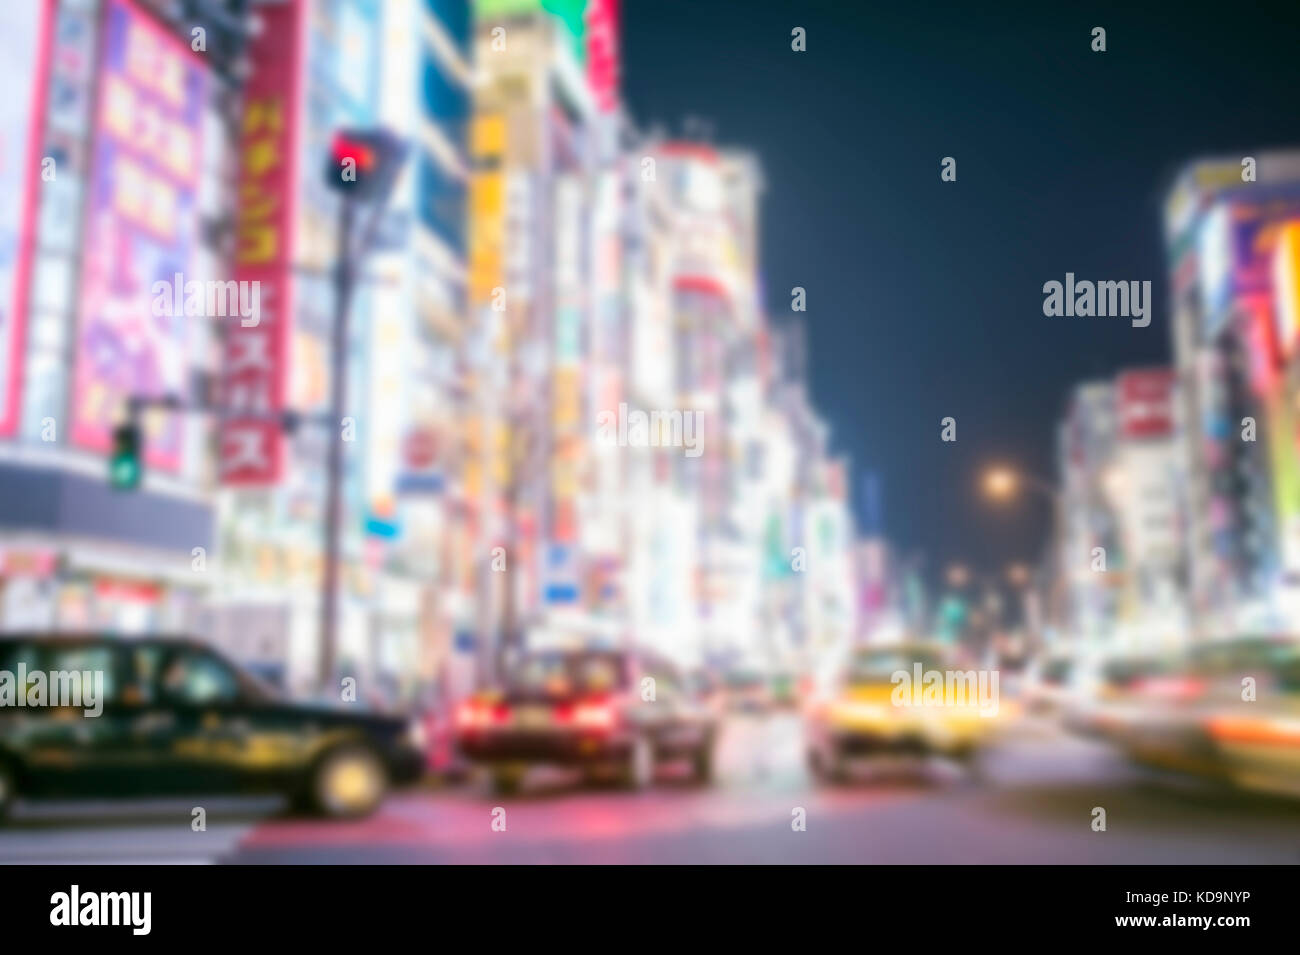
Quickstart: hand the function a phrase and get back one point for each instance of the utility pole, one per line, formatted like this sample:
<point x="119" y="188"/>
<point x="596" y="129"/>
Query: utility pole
<point x="362" y="167"/>
<point x="344" y="279"/>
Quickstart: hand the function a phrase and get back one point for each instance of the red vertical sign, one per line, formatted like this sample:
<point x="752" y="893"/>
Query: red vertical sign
<point x="602" y="52"/>
<point x="25" y="44"/>
<point x="254" y="374"/>
<point x="1146" y="402"/>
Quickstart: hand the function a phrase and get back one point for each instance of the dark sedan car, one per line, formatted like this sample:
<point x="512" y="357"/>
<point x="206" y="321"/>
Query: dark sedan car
<point x="170" y="716"/>
<point x="608" y="712"/>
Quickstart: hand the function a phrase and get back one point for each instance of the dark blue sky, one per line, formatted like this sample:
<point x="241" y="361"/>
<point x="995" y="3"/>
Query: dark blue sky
<point x="925" y="297"/>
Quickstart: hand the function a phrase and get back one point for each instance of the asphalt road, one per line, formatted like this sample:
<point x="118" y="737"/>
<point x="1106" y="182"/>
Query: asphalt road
<point x="1036" y="806"/>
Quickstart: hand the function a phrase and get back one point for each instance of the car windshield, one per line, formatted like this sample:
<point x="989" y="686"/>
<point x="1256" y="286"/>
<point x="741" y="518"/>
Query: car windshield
<point x="1125" y="671"/>
<point x="564" y="674"/>
<point x="1267" y="653"/>
<point x="878" y="666"/>
<point x="1057" y="671"/>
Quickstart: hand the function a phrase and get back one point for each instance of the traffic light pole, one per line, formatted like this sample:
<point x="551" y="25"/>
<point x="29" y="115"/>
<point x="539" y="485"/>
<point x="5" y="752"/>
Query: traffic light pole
<point x="363" y="168"/>
<point x="344" y="279"/>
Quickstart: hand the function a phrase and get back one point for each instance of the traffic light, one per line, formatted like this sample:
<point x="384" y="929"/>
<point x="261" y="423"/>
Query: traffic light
<point x="124" y="468"/>
<point x="364" y="163"/>
<point x="228" y="28"/>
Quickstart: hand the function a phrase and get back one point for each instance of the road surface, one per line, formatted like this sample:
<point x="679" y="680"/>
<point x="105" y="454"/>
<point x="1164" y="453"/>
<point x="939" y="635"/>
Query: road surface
<point x="1036" y="806"/>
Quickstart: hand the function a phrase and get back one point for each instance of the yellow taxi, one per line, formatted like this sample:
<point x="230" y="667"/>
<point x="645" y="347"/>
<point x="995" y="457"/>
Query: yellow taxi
<point x="900" y="700"/>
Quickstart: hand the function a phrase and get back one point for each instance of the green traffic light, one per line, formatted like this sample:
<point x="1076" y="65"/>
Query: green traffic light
<point x="125" y="474"/>
<point x="124" y="471"/>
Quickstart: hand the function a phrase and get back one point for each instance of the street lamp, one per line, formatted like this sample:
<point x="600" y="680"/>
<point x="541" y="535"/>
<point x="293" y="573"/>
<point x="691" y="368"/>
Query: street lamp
<point x="958" y="576"/>
<point x="1001" y="483"/>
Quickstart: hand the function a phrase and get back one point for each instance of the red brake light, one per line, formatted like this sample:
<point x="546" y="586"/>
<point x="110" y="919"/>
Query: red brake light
<point x="590" y="715"/>
<point x="465" y="716"/>
<point x="478" y="714"/>
<point x="1171" y="687"/>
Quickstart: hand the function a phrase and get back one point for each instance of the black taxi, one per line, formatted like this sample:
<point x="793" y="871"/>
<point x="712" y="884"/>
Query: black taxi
<point x="162" y="716"/>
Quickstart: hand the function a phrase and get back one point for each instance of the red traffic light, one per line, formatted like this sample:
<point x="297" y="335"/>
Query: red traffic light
<point x="345" y="147"/>
<point x="364" y="162"/>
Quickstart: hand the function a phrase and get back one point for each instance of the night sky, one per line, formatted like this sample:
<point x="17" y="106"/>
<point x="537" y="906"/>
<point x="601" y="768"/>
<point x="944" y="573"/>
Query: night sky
<point x="925" y="297"/>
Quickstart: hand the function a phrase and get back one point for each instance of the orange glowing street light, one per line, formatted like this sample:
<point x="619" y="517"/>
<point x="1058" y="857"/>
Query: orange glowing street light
<point x="1002" y="483"/>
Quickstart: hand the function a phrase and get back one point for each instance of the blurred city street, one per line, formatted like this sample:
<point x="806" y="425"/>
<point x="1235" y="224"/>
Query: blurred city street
<point x="1034" y="808"/>
<point x="613" y="431"/>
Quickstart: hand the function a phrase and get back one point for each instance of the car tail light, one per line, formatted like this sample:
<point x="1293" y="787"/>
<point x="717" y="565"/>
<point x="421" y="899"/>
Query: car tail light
<point x="589" y="715"/>
<point x="478" y="714"/>
<point x="1170" y="687"/>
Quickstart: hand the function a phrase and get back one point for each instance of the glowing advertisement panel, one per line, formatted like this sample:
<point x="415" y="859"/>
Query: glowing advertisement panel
<point x="141" y="228"/>
<point x="255" y="366"/>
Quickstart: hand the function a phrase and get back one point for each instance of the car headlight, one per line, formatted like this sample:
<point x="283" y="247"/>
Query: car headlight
<point x="859" y="711"/>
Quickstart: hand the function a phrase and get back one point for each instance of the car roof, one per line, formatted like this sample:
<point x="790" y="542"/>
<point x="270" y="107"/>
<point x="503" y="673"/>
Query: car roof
<point x="108" y="639"/>
<point x="904" y="648"/>
<point x="1250" y="640"/>
<point x="643" y="657"/>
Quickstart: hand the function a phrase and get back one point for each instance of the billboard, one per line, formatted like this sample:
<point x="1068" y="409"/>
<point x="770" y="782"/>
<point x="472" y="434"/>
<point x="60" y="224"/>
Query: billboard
<point x="1236" y="251"/>
<point x="1145" y="399"/>
<point x="388" y="398"/>
<point x="1284" y="477"/>
<point x="486" y="236"/>
<point x="1258" y="227"/>
<point x="568" y="368"/>
<point x="254" y="372"/>
<point x="24" y="39"/>
<point x="141" y="228"/>
<point x="602" y="53"/>
<point x="1286" y="286"/>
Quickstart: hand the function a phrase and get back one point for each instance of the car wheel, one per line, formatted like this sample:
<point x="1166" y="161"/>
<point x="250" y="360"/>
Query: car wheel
<point x="823" y="769"/>
<point x="507" y="781"/>
<point x="639" y="769"/>
<point x="595" y="777"/>
<point x="702" y="762"/>
<point x="974" y="767"/>
<point x="8" y="788"/>
<point x="349" y="783"/>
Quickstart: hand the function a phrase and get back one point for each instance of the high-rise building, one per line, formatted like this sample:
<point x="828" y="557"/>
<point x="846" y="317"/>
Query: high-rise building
<point x="1139" y="482"/>
<point x="1091" y="556"/>
<point x="317" y="69"/>
<point x="623" y="431"/>
<point x="544" y="116"/>
<point x="116" y="154"/>
<point x="415" y="330"/>
<point x="1221" y="225"/>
